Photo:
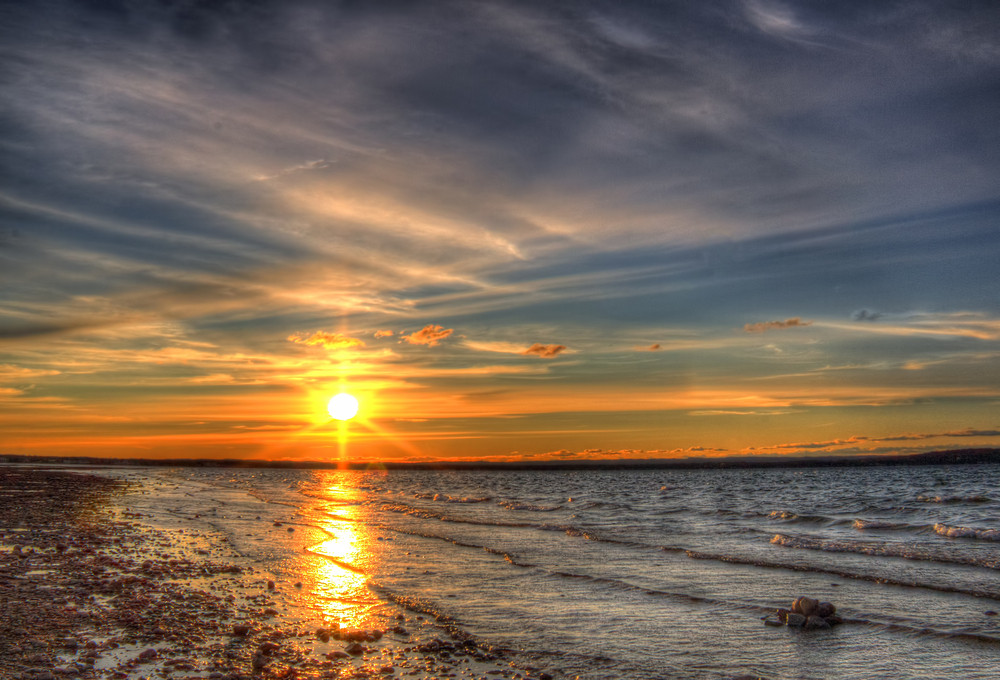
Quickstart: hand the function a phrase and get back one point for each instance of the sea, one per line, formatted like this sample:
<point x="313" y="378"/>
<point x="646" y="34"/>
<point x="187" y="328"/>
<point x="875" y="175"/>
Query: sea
<point x="656" y="573"/>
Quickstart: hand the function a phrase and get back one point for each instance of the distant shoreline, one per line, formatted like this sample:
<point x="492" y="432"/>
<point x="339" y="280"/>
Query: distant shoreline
<point x="948" y="457"/>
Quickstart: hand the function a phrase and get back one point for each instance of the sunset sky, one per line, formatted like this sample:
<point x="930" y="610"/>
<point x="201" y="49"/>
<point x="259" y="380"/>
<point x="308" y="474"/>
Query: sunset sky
<point x="513" y="230"/>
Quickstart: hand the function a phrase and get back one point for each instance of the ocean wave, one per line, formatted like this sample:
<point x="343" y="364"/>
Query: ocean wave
<point x="907" y="552"/>
<point x="445" y="498"/>
<point x="564" y="528"/>
<point x="967" y="532"/>
<point x="843" y="573"/>
<point x="515" y="505"/>
<point x="788" y="516"/>
<point x="570" y="530"/>
<point x="872" y="524"/>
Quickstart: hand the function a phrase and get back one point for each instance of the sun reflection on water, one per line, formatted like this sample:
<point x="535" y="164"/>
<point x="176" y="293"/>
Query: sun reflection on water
<point x="341" y="592"/>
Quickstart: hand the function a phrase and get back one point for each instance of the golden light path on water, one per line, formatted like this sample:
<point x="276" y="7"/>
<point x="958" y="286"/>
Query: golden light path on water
<point x="340" y="579"/>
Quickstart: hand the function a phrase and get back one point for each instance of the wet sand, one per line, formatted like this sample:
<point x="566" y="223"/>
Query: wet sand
<point x="88" y="590"/>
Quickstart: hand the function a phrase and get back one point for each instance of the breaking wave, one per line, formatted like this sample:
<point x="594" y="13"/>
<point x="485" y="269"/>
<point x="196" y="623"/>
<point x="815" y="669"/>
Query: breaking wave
<point x="966" y="532"/>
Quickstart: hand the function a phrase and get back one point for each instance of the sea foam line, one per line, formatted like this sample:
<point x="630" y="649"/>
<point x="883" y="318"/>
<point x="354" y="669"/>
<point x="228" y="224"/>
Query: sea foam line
<point x="879" y="550"/>
<point x="731" y="559"/>
<point x="966" y="532"/>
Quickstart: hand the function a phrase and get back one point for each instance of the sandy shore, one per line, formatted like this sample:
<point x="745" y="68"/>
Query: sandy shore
<point x="88" y="590"/>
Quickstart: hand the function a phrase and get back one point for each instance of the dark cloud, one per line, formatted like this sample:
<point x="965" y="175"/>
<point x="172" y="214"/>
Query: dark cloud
<point x="866" y="315"/>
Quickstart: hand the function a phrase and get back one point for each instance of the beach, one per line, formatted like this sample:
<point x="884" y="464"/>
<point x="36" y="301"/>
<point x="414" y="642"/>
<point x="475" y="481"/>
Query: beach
<point x="89" y="590"/>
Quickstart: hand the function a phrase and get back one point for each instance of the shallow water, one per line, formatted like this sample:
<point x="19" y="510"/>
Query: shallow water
<point x="641" y="574"/>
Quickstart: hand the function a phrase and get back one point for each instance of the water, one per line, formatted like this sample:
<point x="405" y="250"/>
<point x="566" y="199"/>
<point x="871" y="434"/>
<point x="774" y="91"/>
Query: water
<point x="639" y="574"/>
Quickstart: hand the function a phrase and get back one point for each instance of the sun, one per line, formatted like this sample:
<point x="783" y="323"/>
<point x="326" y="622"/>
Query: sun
<point x="343" y="406"/>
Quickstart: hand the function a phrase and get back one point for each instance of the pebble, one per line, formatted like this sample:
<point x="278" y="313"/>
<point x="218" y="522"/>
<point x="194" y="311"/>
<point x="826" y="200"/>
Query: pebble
<point x="805" y="606"/>
<point x="795" y="620"/>
<point x="816" y="623"/>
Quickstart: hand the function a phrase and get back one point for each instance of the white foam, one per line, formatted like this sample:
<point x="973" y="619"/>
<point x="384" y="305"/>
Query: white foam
<point x="967" y="532"/>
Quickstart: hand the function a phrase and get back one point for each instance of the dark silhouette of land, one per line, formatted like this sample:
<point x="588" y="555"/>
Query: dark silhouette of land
<point x="949" y="457"/>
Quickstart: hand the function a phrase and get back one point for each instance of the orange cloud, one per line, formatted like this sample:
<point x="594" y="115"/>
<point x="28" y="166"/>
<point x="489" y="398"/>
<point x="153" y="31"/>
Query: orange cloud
<point x="326" y="340"/>
<point x="774" y="325"/>
<point x="655" y="347"/>
<point x="429" y="335"/>
<point x="545" y="351"/>
<point x="383" y="334"/>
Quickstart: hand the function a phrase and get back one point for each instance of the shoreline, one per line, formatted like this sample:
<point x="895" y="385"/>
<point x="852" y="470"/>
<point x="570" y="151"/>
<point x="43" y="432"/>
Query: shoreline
<point x="89" y="590"/>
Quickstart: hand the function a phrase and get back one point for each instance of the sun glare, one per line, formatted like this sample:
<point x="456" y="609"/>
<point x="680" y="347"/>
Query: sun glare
<point x="343" y="406"/>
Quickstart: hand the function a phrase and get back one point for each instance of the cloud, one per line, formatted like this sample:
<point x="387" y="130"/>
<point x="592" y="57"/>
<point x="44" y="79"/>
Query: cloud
<point x="599" y="453"/>
<point x="655" y="347"/>
<point x="302" y="167"/>
<point x="795" y="322"/>
<point x="774" y="18"/>
<point x="562" y="453"/>
<point x="968" y="432"/>
<point x="383" y="334"/>
<point x="537" y="349"/>
<point x="738" y="413"/>
<point x="833" y="443"/>
<point x="943" y="325"/>
<point x="327" y="340"/>
<point x="867" y="315"/>
<point x="10" y="373"/>
<point x="545" y="351"/>
<point x="429" y="335"/>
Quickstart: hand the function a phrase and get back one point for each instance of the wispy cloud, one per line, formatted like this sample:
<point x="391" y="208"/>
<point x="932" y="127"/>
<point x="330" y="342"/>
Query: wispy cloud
<point x="384" y="334"/>
<point x="544" y="351"/>
<point x="327" y="340"/>
<point x="762" y="326"/>
<point x="836" y="443"/>
<point x="718" y="412"/>
<point x="10" y="373"/>
<point x="975" y="325"/>
<point x="774" y="17"/>
<point x="538" y="349"/>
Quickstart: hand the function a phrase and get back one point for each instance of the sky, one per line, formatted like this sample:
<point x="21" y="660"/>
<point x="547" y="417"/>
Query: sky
<point x="513" y="230"/>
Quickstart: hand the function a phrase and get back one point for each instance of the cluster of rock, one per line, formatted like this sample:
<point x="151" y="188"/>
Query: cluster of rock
<point x="348" y="634"/>
<point x="805" y="613"/>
